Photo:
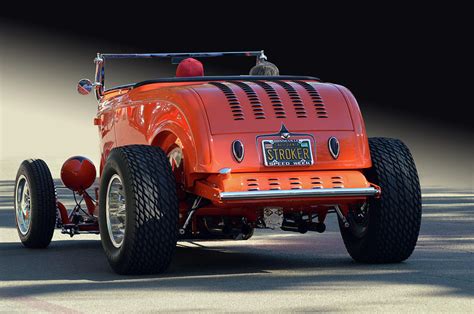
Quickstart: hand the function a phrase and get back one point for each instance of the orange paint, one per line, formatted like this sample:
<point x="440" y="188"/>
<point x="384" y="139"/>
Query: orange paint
<point x="204" y="118"/>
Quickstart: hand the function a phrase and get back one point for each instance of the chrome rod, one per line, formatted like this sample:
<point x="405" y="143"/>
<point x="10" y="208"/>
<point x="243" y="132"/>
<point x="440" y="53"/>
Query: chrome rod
<point x="341" y="215"/>
<point x="258" y="53"/>
<point x="334" y="192"/>
<point x="196" y="203"/>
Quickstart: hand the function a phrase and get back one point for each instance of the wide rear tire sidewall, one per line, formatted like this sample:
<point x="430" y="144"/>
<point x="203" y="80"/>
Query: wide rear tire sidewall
<point x="149" y="242"/>
<point x="395" y="217"/>
<point x="112" y="167"/>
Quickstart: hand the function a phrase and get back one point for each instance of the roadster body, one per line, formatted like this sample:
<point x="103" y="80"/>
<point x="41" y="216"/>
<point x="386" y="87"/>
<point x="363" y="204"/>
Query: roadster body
<point x="218" y="156"/>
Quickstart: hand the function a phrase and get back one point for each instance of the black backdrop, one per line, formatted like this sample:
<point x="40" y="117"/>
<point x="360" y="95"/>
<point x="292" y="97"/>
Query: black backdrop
<point x="403" y="59"/>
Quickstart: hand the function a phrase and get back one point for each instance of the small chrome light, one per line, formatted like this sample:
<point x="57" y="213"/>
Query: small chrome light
<point x="238" y="150"/>
<point x="225" y="171"/>
<point x="334" y="147"/>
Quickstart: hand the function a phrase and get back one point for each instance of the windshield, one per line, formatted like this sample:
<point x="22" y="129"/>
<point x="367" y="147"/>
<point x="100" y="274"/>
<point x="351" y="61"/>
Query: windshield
<point x="129" y="71"/>
<point x="139" y="69"/>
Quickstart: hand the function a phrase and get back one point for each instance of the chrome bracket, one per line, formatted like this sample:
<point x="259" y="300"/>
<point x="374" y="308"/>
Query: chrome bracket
<point x="341" y="215"/>
<point x="193" y="209"/>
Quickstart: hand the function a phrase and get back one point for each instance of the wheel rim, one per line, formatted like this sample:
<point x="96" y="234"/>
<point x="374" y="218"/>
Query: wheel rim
<point x="23" y="205"/>
<point x="116" y="211"/>
<point x="359" y="221"/>
<point x="175" y="157"/>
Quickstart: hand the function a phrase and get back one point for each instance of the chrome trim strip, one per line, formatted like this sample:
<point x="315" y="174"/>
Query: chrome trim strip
<point x="305" y="193"/>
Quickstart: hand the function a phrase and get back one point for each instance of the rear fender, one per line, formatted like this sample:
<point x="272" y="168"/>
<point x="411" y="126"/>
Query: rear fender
<point x="176" y="130"/>
<point x="358" y="123"/>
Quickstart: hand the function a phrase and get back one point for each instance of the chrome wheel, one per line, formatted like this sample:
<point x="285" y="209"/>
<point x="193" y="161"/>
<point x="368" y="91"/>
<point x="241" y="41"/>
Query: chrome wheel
<point x="176" y="159"/>
<point x="116" y="211"/>
<point x="175" y="156"/>
<point x="23" y="205"/>
<point x="359" y="221"/>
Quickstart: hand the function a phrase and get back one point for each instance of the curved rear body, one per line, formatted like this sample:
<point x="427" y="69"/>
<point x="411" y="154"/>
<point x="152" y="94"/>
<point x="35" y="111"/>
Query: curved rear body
<point x="204" y="117"/>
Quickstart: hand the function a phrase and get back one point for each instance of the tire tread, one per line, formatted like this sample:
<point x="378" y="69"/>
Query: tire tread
<point x="155" y="210"/>
<point x="395" y="218"/>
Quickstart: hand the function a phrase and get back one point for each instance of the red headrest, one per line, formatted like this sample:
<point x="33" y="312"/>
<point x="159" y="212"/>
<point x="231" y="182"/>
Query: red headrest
<point x="189" y="67"/>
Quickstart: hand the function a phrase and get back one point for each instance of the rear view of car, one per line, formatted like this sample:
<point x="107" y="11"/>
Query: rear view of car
<point x="215" y="157"/>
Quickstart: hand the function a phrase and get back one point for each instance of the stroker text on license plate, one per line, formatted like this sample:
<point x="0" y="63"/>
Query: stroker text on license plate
<point x="287" y="152"/>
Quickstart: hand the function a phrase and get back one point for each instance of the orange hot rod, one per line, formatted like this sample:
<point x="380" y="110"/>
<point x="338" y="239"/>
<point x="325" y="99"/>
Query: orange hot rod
<point x="213" y="157"/>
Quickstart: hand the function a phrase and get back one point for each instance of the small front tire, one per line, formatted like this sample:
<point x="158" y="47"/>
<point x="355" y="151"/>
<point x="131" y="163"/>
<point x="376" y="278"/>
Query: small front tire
<point x="35" y="204"/>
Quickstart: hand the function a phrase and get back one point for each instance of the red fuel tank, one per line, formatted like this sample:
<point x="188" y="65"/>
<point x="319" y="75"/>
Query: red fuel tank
<point x="78" y="173"/>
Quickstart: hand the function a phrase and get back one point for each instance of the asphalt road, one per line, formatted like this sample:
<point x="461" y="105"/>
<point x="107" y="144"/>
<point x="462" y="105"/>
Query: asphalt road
<point x="273" y="271"/>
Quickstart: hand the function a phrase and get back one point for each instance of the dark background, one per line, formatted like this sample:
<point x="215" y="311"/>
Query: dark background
<point x="407" y="64"/>
<point x="404" y="59"/>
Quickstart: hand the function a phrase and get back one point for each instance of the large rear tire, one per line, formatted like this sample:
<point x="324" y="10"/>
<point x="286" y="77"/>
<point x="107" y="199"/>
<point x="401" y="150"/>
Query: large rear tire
<point x="386" y="231"/>
<point x="138" y="213"/>
<point x="35" y="204"/>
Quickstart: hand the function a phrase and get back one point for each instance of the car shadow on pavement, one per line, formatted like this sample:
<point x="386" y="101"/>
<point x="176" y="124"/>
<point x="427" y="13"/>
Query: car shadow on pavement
<point x="269" y="261"/>
<point x="83" y="266"/>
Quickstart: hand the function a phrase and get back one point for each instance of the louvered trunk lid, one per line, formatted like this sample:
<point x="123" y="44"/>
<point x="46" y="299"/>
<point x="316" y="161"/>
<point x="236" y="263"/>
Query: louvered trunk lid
<point x="263" y="106"/>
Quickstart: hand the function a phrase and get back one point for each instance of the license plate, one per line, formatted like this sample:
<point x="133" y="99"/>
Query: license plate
<point x="294" y="152"/>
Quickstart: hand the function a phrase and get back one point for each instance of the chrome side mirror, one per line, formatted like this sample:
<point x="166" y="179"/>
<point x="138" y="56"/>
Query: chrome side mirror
<point x="84" y="87"/>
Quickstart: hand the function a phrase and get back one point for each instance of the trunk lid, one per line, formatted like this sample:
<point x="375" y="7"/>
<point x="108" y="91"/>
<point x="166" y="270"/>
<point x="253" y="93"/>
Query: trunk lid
<point x="263" y="106"/>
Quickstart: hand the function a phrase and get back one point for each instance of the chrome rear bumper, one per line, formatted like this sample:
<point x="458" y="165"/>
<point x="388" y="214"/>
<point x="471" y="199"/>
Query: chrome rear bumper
<point x="275" y="194"/>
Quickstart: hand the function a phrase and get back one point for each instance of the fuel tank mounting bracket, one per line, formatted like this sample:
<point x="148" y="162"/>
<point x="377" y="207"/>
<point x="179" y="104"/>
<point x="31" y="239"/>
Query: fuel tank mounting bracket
<point x="341" y="215"/>
<point x="193" y="209"/>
